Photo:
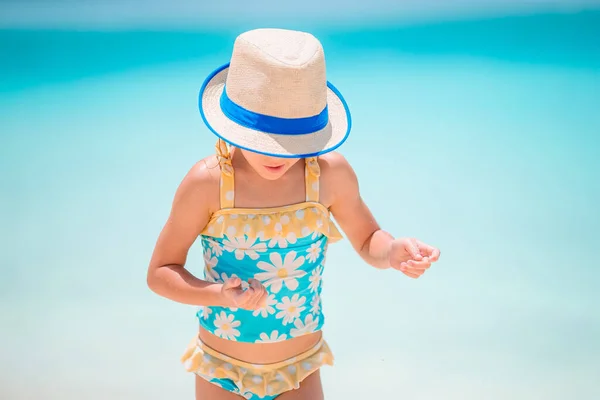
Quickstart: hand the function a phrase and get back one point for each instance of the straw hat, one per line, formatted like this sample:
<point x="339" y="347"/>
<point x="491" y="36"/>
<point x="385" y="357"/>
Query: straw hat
<point x="273" y="97"/>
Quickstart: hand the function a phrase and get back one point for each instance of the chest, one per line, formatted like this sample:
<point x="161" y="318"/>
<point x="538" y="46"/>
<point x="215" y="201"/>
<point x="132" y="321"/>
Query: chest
<point x="253" y="193"/>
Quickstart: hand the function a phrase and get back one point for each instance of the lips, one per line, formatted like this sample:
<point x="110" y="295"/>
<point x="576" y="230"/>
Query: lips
<point x="274" y="168"/>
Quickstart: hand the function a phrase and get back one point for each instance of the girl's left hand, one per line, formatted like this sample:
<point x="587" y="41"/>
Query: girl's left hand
<point x="412" y="257"/>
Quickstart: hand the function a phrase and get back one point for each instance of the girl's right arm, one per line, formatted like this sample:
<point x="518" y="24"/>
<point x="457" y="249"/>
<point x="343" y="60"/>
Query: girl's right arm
<point x="189" y="215"/>
<point x="190" y="212"/>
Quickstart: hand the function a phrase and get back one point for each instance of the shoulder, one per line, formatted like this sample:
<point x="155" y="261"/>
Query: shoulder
<point x="200" y="185"/>
<point x="338" y="179"/>
<point x="334" y="166"/>
<point x="202" y="174"/>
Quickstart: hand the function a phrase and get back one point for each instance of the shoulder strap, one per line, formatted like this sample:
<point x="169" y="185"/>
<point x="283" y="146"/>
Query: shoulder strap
<point x="311" y="179"/>
<point x="227" y="178"/>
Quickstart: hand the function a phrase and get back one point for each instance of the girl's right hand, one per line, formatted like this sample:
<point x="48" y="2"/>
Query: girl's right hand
<point x="252" y="298"/>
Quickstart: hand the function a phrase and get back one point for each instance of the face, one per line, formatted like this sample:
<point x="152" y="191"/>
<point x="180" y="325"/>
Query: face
<point x="268" y="167"/>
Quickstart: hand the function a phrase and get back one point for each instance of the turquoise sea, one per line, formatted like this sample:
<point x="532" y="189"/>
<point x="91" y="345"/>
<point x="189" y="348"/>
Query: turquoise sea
<point x="478" y="135"/>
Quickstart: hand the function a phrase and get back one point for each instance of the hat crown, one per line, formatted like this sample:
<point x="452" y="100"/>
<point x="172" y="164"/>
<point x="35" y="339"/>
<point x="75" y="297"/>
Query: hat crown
<point x="278" y="72"/>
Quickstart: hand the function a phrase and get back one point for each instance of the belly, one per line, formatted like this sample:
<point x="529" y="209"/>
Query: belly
<point x="260" y="353"/>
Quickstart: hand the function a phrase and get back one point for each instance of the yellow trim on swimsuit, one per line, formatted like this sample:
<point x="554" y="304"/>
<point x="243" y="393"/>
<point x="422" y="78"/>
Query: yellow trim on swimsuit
<point x="259" y="379"/>
<point x="298" y="220"/>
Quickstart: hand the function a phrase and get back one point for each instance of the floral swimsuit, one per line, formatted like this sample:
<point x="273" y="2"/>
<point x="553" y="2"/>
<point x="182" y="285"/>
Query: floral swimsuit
<point x="284" y="248"/>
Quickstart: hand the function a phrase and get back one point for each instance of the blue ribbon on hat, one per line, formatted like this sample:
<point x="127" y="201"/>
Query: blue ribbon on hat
<point x="270" y="124"/>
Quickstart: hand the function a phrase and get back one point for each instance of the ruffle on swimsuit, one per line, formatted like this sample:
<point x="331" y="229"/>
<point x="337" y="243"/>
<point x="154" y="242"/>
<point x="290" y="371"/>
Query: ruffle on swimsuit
<point x="260" y="380"/>
<point x="290" y="222"/>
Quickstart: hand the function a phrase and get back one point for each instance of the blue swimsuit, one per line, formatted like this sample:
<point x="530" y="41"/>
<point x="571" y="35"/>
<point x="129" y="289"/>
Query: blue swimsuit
<point x="284" y="248"/>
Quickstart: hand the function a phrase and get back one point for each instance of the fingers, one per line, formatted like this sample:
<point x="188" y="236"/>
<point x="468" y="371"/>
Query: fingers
<point x="419" y="265"/>
<point x="414" y="266"/>
<point x="257" y="291"/>
<point x="233" y="291"/>
<point x="243" y="297"/>
<point x="412" y="248"/>
<point x="412" y="274"/>
<point x="260" y="293"/>
<point x="435" y="255"/>
<point x="232" y="283"/>
<point x="430" y="251"/>
<point x="414" y="269"/>
<point x="249" y="297"/>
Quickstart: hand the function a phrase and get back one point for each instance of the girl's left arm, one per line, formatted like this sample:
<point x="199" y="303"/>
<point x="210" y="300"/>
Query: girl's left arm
<point x="376" y="246"/>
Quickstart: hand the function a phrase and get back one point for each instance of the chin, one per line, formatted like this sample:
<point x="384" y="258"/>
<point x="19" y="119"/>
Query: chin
<point x="273" y="173"/>
<point x="272" y="176"/>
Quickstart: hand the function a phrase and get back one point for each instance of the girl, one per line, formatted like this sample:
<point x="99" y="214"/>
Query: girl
<point x="261" y="207"/>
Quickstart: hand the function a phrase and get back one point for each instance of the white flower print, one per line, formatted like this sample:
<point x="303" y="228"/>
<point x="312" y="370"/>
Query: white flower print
<point x="279" y="239"/>
<point x="313" y="252"/>
<point x="267" y="309"/>
<point x="247" y="229"/>
<point x="216" y="248"/>
<point x="211" y="229"/>
<point x="280" y="271"/>
<point x="315" y="305"/>
<point x="260" y="235"/>
<point x="290" y="309"/>
<point x="226" y="325"/>
<point x="266" y="220"/>
<point x="210" y="263"/>
<point x="309" y="326"/>
<point x="206" y="311"/>
<point x="319" y="224"/>
<point x="315" y="278"/>
<point x="230" y="231"/>
<point x="306" y="231"/>
<point x="282" y="242"/>
<point x="272" y="338"/>
<point x="241" y="247"/>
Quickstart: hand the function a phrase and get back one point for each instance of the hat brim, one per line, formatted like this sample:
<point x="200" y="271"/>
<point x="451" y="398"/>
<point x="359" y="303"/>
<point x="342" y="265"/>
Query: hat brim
<point x="271" y="144"/>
